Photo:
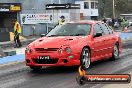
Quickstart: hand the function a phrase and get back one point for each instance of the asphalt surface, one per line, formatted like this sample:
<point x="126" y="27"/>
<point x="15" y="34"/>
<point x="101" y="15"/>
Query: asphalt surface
<point x="20" y="76"/>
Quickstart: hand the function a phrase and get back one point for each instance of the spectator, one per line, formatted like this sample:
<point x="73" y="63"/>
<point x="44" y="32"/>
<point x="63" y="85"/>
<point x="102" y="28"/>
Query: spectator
<point x="104" y="20"/>
<point x="62" y="20"/>
<point x="16" y="39"/>
<point x="113" y="22"/>
<point x="17" y="31"/>
<point x="119" y="20"/>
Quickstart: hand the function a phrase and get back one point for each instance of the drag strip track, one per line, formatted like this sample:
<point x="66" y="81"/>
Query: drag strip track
<point x="20" y="76"/>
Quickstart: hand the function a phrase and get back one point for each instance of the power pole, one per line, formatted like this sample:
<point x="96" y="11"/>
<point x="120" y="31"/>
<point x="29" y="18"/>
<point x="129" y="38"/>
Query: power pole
<point x="113" y="8"/>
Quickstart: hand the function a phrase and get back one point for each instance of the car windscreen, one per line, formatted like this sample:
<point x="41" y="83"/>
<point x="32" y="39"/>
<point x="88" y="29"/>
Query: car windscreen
<point x="70" y="30"/>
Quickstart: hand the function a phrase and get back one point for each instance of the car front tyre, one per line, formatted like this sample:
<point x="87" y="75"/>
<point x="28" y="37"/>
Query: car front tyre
<point x="85" y="58"/>
<point x="115" y="54"/>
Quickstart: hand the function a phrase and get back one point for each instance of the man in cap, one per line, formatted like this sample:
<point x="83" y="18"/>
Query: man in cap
<point x="62" y="20"/>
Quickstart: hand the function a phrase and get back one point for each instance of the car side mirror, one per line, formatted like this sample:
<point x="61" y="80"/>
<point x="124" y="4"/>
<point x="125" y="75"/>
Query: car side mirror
<point x="42" y="35"/>
<point x="98" y="35"/>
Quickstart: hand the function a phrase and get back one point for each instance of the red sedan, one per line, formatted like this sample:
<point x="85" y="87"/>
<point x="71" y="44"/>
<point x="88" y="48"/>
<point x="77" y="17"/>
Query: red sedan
<point x="74" y="44"/>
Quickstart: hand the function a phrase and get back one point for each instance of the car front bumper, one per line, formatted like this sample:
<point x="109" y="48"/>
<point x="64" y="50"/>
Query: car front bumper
<point x="55" y="60"/>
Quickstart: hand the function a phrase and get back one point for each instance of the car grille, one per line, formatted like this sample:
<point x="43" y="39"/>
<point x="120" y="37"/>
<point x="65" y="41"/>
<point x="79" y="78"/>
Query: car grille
<point x="48" y="50"/>
<point x="46" y="61"/>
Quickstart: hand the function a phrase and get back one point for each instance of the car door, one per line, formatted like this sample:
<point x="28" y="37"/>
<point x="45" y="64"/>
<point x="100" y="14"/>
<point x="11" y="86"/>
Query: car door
<point x="98" y="43"/>
<point x="109" y="39"/>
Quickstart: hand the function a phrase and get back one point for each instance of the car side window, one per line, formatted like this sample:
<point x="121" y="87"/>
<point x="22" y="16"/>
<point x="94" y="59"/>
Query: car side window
<point x="97" y="29"/>
<point x="105" y="29"/>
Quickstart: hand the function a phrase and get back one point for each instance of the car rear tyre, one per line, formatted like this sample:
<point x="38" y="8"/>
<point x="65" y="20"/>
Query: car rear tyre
<point x="115" y="54"/>
<point x="85" y="58"/>
<point x="35" y="68"/>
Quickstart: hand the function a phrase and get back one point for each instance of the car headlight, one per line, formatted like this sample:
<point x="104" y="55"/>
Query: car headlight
<point x="68" y="50"/>
<point x="28" y="50"/>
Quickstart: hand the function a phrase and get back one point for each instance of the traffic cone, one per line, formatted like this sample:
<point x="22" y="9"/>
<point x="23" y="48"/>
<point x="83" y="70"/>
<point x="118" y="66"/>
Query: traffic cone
<point x="125" y="29"/>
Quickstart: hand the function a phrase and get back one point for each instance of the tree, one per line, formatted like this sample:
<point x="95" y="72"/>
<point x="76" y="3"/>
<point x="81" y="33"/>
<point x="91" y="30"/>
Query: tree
<point x="101" y="8"/>
<point x="121" y="6"/>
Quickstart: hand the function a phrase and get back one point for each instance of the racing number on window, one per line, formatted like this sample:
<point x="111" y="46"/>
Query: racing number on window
<point x="109" y="29"/>
<point x="106" y="29"/>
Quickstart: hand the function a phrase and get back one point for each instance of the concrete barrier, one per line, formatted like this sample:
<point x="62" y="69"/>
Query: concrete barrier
<point x="2" y="54"/>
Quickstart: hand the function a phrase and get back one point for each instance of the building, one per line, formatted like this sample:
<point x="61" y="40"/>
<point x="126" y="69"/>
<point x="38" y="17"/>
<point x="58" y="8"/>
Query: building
<point x="11" y="10"/>
<point x="89" y="9"/>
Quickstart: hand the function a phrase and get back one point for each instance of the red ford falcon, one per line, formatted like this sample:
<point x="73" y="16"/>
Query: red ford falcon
<point x="74" y="44"/>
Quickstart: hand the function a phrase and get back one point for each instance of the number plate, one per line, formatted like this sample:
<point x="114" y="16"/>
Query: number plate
<point x="44" y="57"/>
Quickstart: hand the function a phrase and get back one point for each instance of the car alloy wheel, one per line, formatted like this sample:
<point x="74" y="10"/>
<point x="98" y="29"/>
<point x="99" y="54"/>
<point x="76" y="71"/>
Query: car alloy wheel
<point x="115" y="54"/>
<point x="85" y="58"/>
<point x="116" y="51"/>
